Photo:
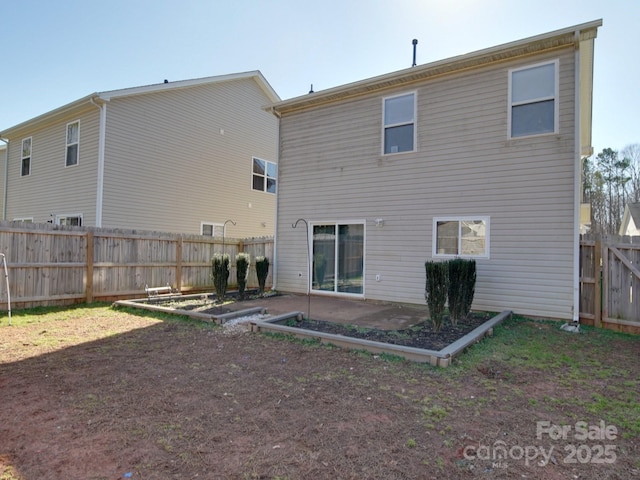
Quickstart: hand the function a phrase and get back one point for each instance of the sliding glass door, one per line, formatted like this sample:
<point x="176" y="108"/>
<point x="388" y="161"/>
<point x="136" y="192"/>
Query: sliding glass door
<point x="338" y="257"/>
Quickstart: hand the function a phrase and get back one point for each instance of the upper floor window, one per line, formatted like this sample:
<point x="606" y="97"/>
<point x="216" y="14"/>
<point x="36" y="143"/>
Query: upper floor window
<point x="25" y="164"/>
<point x="264" y="175"/>
<point x="73" y="139"/>
<point x="461" y="237"/>
<point x="533" y="100"/>
<point x="211" y="229"/>
<point x="399" y="115"/>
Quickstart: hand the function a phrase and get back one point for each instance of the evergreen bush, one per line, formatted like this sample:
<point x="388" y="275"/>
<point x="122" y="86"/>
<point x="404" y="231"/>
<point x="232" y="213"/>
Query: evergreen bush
<point x="262" y="270"/>
<point x="436" y="290"/>
<point x="220" y="273"/>
<point x="462" y="284"/>
<point x="242" y="272"/>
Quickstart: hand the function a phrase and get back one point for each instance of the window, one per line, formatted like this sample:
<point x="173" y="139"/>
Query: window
<point x="264" y="176"/>
<point x="73" y="139"/>
<point x="73" y="220"/>
<point x="25" y="168"/>
<point x="461" y="237"/>
<point x="211" y="229"/>
<point x="533" y="100"/>
<point x="399" y="117"/>
<point x="24" y="220"/>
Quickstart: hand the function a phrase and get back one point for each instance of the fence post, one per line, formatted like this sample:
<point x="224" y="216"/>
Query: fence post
<point x="179" y="264"/>
<point x="89" y="271"/>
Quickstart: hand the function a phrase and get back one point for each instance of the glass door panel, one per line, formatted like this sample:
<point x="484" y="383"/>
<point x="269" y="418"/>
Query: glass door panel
<point x="350" y="258"/>
<point x="324" y="255"/>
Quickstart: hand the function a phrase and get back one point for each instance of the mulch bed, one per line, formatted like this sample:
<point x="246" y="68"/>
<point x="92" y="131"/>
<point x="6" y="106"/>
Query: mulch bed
<point x="422" y="335"/>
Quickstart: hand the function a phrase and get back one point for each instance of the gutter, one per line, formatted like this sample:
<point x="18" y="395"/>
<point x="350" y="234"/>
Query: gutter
<point x="577" y="184"/>
<point x="101" y="145"/>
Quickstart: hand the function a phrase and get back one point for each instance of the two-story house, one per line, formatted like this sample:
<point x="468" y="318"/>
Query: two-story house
<point x="184" y="157"/>
<point x="476" y="156"/>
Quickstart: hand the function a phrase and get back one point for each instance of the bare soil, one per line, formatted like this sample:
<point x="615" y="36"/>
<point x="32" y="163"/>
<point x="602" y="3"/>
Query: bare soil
<point x="422" y="335"/>
<point x="124" y="394"/>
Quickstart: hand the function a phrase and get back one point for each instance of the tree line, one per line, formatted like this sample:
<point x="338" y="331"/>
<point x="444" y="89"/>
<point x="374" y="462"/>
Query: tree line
<point x="610" y="180"/>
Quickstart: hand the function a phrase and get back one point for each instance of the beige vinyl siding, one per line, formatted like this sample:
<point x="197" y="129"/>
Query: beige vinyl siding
<point x="331" y="169"/>
<point x="53" y="188"/>
<point x="3" y="160"/>
<point x="177" y="158"/>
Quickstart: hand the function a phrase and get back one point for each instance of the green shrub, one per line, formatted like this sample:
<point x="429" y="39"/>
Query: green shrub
<point x="436" y="289"/>
<point x="262" y="270"/>
<point x="220" y="273"/>
<point x="242" y="272"/>
<point x="462" y="285"/>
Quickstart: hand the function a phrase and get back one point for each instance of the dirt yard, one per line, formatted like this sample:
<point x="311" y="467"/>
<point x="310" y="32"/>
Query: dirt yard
<point x="97" y="393"/>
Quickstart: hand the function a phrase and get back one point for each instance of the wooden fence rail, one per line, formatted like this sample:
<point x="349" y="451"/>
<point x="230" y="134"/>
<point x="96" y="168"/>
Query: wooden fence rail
<point x="60" y="265"/>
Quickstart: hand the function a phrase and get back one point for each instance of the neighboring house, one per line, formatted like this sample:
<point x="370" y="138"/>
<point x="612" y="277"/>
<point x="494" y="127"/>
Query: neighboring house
<point x="182" y="157"/>
<point x="630" y="220"/>
<point x="476" y="156"/>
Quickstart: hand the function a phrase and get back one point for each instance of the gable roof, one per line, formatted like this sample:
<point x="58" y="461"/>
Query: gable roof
<point x="102" y="97"/>
<point x="575" y="35"/>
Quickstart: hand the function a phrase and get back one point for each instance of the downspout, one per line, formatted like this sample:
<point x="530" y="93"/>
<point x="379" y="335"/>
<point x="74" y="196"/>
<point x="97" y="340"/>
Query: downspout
<point x="6" y="180"/>
<point x="275" y="230"/>
<point x="100" y="176"/>
<point x="577" y="187"/>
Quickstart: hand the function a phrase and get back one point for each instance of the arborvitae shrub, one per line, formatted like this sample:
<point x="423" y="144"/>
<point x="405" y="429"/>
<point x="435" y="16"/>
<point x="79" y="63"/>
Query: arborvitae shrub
<point x="462" y="284"/>
<point x="436" y="291"/>
<point x="262" y="270"/>
<point x="220" y="273"/>
<point x="242" y="272"/>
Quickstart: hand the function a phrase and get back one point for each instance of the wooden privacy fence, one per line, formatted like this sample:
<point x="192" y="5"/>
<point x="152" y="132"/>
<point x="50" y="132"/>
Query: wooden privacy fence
<point x="60" y="265"/>
<point x="610" y="282"/>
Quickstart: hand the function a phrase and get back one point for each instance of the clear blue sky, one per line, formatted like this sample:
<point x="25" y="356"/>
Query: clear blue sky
<point x="57" y="51"/>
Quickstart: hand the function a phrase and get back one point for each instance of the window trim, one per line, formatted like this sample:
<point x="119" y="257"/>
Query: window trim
<point x="22" y="158"/>
<point x="67" y="145"/>
<point x="265" y="176"/>
<point x="413" y="122"/>
<point x="555" y="98"/>
<point x="213" y="228"/>
<point x="23" y="219"/>
<point x="59" y="218"/>
<point x="460" y="219"/>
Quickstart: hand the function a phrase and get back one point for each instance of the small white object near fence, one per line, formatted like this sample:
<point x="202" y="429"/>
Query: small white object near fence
<point x="157" y="292"/>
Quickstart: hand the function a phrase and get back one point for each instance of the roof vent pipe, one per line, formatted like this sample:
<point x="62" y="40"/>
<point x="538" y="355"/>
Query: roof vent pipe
<point x="415" y="43"/>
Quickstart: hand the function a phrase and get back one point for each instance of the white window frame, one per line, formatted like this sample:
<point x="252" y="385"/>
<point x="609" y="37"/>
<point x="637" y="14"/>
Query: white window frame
<point x="67" y="145"/>
<point x="266" y="176"/>
<point x="213" y="226"/>
<point x="555" y="98"/>
<point x="23" y="219"/>
<point x="413" y="122"/>
<point x="61" y="219"/>
<point x="23" y="157"/>
<point x="460" y="219"/>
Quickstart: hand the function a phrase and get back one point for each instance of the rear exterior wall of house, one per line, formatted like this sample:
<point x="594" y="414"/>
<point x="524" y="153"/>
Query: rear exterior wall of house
<point x="465" y="165"/>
